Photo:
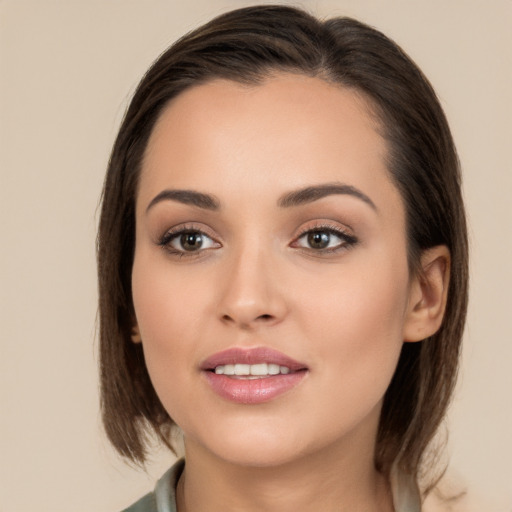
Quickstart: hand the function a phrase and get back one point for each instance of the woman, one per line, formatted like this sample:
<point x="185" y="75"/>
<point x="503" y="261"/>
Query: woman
<point x="283" y="268"/>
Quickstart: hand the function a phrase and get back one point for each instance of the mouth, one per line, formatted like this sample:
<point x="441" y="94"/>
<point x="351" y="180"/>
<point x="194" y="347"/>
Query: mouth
<point x="252" y="371"/>
<point x="252" y="376"/>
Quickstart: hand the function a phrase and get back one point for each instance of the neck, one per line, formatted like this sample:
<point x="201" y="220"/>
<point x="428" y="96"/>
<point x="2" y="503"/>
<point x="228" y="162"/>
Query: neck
<point x="333" y="479"/>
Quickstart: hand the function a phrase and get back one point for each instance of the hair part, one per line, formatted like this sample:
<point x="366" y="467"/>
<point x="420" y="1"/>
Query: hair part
<point x="247" y="46"/>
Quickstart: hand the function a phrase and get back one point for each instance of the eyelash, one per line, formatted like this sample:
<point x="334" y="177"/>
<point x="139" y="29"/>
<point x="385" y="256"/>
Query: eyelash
<point x="166" y="240"/>
<point x="346" y="240"/>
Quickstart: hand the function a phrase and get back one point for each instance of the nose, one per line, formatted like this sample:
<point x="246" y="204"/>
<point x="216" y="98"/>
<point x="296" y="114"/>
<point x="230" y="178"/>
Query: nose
<point x="252" y="293"/>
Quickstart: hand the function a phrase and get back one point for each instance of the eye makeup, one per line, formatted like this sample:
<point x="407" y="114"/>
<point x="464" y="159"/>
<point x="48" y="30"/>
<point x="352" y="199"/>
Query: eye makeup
<point x="324" y="238"/>
<point x="187" y="240"/>
<point x="318" y="238"/>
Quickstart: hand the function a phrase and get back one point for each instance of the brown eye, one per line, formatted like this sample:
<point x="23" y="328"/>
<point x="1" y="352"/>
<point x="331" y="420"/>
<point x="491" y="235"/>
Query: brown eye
<point x="192" y="241"/>
<point x="318" y="239"/>
<point x="324" y="240"/>
<point x="187" y="241"/>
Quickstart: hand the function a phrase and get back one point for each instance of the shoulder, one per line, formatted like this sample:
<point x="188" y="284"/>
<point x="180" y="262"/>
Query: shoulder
<point x="163" y="498"/>
<point x="146" y="504"/>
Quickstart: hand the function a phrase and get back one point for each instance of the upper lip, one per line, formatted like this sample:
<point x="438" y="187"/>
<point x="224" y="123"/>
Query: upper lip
<point x="237" y="355"/>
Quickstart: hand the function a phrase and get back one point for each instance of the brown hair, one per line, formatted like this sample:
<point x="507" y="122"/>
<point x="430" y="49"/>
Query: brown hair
<point x="247" y="45"/>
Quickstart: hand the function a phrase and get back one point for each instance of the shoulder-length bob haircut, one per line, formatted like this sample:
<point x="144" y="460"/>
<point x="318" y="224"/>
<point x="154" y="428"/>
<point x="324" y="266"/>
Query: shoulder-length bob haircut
<point x="247" y="46"/>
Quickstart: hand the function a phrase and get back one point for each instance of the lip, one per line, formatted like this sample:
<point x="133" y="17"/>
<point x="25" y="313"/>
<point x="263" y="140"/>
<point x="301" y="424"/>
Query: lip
<point x="252" y="391"/>
<point x="251" y="356"/>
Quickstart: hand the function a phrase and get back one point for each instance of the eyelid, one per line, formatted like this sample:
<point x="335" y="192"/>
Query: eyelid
<point x="348" y="239"/>
<point x="171" y="234"/>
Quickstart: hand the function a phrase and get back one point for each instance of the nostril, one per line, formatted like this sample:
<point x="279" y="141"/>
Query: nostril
<point x="247" y="319"/>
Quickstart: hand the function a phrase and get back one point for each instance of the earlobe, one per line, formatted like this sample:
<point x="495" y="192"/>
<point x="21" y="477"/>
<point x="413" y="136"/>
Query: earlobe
<point x="135" y="334"/>
<point x="428" y="295"/>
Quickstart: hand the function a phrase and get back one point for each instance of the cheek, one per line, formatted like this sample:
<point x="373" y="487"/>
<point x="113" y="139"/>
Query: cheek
<point x="359" y="299"/>
<point x="356" y="318"/>
<point x="168" y="317"/>
<point x="166" y="302"/>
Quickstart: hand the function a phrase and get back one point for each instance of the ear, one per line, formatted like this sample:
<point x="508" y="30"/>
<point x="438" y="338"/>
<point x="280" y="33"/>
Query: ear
<point x="428" y="294"/>
<point x="135" y="334"/>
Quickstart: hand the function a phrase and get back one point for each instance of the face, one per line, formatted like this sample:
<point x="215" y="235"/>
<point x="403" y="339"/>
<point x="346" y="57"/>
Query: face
<point x="270" y="279"/>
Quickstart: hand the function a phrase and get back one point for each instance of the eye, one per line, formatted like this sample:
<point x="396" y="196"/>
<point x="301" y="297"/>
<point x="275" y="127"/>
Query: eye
<point x="187" y="241"/>
<point x="325" y="239"/>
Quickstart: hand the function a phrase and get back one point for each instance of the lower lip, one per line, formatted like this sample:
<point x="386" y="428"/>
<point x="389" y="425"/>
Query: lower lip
<point x="253" y="391"/>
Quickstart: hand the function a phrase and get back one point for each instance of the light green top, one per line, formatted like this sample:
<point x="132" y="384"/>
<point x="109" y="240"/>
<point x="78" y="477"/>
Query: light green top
<point x="163" y="499"/>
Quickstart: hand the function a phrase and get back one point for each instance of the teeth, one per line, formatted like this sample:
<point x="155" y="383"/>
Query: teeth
<point x="275" y="369"/>
<point x="259" y="370"/>
<point x="242" y="369"/>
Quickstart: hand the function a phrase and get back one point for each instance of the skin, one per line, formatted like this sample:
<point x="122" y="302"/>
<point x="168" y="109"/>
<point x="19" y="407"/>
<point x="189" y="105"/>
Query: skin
<point x="256" y="281"/>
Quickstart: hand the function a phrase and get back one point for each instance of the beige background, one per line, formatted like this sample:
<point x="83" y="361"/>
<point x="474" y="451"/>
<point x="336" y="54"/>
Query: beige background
<point x="66" y="70"/>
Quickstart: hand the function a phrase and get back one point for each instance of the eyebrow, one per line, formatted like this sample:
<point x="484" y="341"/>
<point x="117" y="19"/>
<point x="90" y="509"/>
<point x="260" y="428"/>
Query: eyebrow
<point x="314" y="193"/>
<point x="205" y="201"/>
<point x="291" y="199"/>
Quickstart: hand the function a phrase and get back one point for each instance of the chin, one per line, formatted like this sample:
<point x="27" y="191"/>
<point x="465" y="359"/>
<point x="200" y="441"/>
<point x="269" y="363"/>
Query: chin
<point x="259" y="456"/>
<point x="255" y="446"/>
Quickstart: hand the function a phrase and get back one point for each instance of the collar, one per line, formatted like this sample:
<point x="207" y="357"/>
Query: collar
<point x="406" y="495"/>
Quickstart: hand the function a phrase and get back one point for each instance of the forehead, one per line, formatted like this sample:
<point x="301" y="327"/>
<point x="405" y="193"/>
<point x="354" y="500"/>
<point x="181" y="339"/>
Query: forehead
<point x="282" y="98"/>
<point x="289" y="130"/>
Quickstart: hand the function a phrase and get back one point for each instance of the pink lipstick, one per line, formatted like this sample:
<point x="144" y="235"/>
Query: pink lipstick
<point x="252" y="376"/>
